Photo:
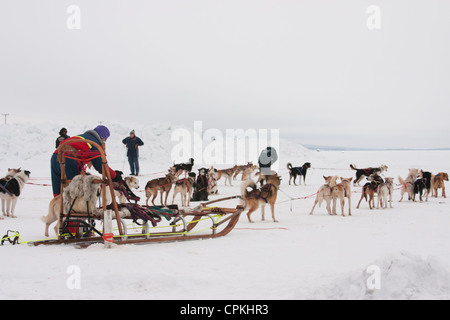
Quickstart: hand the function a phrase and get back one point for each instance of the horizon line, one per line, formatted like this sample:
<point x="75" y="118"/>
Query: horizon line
<point x="341" y="148"/>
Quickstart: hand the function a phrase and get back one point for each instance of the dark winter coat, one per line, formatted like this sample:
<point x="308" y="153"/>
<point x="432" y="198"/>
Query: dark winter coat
<point x="60" y="139"/>
<point x="267" y="157"/>
<point x="132" y="145"/>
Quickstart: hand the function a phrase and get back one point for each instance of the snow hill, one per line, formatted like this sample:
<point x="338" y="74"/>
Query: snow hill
<point x="405" y="276"/>
<point x="36" y="140"/>
<point x="28" y="143"/>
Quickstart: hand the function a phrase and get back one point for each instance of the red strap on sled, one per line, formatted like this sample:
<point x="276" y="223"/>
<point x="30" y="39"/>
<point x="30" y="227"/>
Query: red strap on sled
<point x="108" y="237"/>
<point x="83" y="158"/>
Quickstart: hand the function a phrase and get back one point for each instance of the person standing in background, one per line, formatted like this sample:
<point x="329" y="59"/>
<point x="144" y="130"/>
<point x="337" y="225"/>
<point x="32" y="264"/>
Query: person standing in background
<point x="266" y="159"/>
<point x="133" y="143"/>
<point x="62" y="136"/>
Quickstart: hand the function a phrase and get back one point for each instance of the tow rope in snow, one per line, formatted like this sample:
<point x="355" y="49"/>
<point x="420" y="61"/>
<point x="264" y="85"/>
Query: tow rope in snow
<point x="40" y="184"/>
<point x="312" y="195"/>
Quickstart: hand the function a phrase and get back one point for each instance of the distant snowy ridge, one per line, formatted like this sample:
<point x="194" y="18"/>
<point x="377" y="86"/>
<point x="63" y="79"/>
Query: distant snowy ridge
<point x="36" y="140"/>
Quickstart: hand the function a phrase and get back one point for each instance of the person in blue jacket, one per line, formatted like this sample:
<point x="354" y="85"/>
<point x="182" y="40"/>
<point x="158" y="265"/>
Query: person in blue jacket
<point x="133" y="143"/>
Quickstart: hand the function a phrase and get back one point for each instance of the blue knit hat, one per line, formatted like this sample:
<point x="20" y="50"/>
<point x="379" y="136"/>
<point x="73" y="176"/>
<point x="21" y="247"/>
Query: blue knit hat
<point x="102" y="131"/>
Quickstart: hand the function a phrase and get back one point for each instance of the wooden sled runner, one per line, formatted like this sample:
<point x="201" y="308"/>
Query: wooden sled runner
<point x="183" y="224"/>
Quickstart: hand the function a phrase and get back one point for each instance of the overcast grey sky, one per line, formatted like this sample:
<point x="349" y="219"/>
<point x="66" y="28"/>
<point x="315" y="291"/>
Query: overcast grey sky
<point x="313" y="69"/>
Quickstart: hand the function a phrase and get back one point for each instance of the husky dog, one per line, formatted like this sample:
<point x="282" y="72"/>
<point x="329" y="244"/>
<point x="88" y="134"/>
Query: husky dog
<point x="342" y="191"/>
<point x="384" y="190"/>
<point x="360" y="173"/>
<point x="246" y="170"/>
<point x="368" y="193"/>
<point x="184" y="167"/>
<point x="161" y="184"/>
<point x="54" y="208"/>
<point x="370" y="189"/>
<point x="212" y="181"/>
<point x="422" y="184"/>
<point x="10" y="191"/>
<point x="324" y="193"/>
<point x="437" y="182"/>
<point x="81" y="194"/>
<point x="131" y="182"/>
<point x="301" y="171"/>
<point x="256" y="198"/>
<point x="11" y="173"/>
<point x="408" y="183"/>
<point x="201" y="186"/>
<point x="185" y="187"/>
<point x="227" y="173"/>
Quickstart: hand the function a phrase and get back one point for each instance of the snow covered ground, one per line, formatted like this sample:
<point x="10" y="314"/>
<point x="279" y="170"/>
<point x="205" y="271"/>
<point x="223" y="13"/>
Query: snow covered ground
<point x="300" y="257"/>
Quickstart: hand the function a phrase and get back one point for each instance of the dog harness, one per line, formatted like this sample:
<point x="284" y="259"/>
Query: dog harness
<point x="124" y="190"/>
<point x="185" y="181"/>
<point x="211" y="182"/>
<point x="202" y="177"/>
<point x="3" y="187"/>
<point x="226" y="172"/>
<point x="263" y="189"/>
<point x="152" y="214"/>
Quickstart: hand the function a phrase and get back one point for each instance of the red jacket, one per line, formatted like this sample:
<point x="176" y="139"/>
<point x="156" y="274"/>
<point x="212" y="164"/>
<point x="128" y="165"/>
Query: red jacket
<point x="84" y="146"/>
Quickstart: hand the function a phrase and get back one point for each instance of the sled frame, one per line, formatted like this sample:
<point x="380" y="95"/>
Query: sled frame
<point x="64" y="220"/>
<point x="189" y="220"/>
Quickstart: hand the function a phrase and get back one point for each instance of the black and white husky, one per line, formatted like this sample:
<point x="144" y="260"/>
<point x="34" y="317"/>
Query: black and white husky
<point x="10" y="191"/>
<point x="361" y="173"/>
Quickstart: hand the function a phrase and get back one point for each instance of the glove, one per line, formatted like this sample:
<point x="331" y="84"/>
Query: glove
<point x="118" y="177"/>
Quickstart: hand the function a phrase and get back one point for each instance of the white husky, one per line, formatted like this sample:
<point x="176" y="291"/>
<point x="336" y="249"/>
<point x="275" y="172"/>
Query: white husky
<point x="10" y="191"/>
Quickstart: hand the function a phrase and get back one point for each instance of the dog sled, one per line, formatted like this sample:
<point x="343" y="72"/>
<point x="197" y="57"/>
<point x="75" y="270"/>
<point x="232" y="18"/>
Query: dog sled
<point x="154" y="223"/>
